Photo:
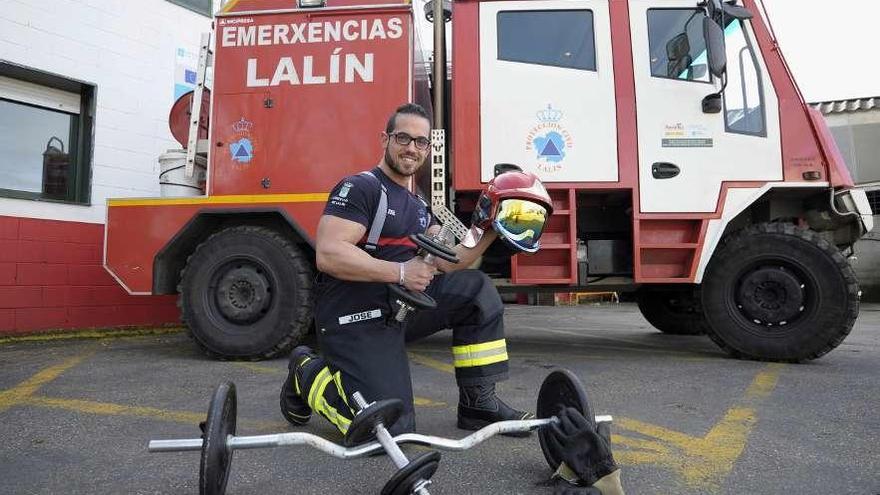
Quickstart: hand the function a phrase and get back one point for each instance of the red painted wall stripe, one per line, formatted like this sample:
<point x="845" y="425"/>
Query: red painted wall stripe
<point x="51" y="278"/>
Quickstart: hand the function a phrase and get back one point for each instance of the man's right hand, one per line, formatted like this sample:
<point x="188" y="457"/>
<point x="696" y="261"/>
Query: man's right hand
<point x="417" y="274"/>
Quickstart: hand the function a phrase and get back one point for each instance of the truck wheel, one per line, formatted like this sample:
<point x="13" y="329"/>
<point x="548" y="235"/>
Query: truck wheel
<point x="672" y="310"/>
<point x="245" y="293"/>
<point x="777" y="292"/>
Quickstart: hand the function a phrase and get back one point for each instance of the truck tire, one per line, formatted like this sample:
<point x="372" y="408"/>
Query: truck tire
<point x="246" y="293"/>
<point x="778" y="292"/>
<point x="672" y="310"/>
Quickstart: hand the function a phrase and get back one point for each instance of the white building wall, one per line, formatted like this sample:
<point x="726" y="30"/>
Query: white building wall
<point x="127" y="49"/>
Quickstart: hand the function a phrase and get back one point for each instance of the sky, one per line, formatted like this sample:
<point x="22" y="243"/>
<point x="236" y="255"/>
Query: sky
<point x="831" y="47"/>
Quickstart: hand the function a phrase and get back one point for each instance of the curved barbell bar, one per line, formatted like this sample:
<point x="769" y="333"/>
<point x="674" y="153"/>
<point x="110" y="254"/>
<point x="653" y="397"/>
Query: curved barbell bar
<point x="336" y="450"/>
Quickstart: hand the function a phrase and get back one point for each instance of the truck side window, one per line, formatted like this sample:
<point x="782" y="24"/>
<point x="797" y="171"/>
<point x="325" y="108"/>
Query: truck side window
<point x="560" y="38"/>
<point x="678" y="49"/>
<point x="744" y="96"/>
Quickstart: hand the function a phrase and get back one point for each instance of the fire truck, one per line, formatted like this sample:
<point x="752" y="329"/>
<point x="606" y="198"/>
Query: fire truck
<point x="683" y="163"/>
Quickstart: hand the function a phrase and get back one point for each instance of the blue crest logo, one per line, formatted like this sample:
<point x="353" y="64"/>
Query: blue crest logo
<point x="550" y="147"/>
<point x="549" y="139"/>
<point x="242" y="150"/>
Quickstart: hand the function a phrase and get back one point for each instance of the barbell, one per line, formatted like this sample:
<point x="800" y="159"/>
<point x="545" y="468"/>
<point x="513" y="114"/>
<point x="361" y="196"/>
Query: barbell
<point x="560" y="389"/>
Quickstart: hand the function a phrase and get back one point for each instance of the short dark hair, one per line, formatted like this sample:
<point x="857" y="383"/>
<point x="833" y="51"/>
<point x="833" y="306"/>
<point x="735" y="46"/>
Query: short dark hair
<point x="406" y="109"/>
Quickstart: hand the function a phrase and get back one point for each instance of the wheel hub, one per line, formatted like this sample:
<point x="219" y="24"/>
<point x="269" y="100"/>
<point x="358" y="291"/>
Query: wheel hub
<point x="243" y="293"/>
<point x="771" y="296"/>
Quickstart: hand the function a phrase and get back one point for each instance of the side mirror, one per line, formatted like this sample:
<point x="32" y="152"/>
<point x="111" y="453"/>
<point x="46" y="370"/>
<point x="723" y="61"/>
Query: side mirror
<point x="736" y="11"/>
<point x="712" y="103"/>
<point x="717" y="52"/>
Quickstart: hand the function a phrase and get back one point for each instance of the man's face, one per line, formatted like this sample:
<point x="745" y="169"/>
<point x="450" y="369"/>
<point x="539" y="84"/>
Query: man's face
<point x="405" y="160"/>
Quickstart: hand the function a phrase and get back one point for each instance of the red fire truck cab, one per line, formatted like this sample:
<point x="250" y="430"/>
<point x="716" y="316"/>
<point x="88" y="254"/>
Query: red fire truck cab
<point x="683" y="163"/>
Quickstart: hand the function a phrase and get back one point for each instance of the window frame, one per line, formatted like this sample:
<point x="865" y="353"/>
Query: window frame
<point x="80" y="176"/>
<point x="711" y="80"/>
<point x="498" y="58"/>
<point x="192" y="8"/>
<point x="760" y="78"/>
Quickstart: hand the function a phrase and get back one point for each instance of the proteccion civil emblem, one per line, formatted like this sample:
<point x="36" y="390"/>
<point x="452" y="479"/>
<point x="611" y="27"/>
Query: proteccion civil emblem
<point x="549" y="140"/>
<point x="241" y="144"/>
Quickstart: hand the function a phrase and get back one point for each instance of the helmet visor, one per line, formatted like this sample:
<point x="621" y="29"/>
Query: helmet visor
<point x="521" y="222"/>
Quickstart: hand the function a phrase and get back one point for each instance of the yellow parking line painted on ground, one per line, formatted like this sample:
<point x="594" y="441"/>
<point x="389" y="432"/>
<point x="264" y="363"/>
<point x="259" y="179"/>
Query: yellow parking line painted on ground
<point x="22" y="391"/>
<point x="91" y="334"/>
<point x="639" y="443"/>
<point x="431" y="363"/>
<point x="765" y="382"/>
<point x="260" y="368"/>
<point x="107" y="409"/>
<point x="703" y="462"/>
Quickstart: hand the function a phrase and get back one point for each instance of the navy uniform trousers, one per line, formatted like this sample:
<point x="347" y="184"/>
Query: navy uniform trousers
<point x="369" y="356"/>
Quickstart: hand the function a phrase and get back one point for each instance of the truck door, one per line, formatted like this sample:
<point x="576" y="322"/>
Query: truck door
<point x="547" y="89"/>
<point x="685" y="154"/>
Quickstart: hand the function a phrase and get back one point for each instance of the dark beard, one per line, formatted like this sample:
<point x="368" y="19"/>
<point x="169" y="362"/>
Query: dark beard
<point x="396" y="166"/>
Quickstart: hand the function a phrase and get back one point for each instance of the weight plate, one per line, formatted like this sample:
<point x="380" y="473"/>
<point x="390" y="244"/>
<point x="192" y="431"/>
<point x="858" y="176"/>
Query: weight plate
<point x="560" y="389"/>
<point x="433" y="247"/>
<point x="420" y="468"/>
<point x="418" y="300"/>
<point x="360" y="431"/>
<point x="216" y="457"/>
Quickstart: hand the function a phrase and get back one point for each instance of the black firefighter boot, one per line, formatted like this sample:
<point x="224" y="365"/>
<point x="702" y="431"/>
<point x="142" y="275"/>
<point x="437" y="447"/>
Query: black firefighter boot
<point x="294" y="407"/>
<point x="478" y="406"/>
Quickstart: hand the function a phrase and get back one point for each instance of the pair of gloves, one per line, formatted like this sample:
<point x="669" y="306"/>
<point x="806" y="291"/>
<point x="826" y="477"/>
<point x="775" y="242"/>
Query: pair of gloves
<point x="588" y="466"/>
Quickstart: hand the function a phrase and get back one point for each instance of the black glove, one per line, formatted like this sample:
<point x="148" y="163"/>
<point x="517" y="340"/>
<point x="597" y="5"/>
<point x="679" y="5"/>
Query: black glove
<point x="585" y="448"/>
<point x="563" y="487"/>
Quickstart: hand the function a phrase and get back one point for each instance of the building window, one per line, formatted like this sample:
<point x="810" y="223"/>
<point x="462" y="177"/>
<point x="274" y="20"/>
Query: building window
<point x="201" y="6"/>
<point x="559" y="38"/>
<point x="677" y="45"/>
<point x="744" y="95"/>
<point x="45" y="136"/>
<point x="874" y="200"/>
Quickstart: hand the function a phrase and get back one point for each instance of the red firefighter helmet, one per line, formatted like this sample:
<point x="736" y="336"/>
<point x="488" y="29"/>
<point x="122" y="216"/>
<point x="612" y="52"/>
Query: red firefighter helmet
<point x="517" y="206"/>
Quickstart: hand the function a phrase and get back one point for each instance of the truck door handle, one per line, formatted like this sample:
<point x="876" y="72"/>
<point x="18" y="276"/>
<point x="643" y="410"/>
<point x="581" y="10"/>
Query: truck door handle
<point x="664" y="170"/>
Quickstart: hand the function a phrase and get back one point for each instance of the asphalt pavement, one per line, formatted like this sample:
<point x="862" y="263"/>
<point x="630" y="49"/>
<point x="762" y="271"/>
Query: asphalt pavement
<point x="76" y="414"/>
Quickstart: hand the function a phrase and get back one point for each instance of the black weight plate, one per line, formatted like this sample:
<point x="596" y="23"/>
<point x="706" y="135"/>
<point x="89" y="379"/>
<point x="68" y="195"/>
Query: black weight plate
<point x="434" y="248"/>
<point x="216" y="457"/>
<point x="420" y="468"/>
<point x="418" y="300"/>
<point x="560" y="389"/>
<point x="360" y="431"/>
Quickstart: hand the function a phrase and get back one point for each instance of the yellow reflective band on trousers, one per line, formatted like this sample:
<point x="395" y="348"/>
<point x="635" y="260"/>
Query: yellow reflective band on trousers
<point x="468" y="356"/>
<point x="319" y="404"/>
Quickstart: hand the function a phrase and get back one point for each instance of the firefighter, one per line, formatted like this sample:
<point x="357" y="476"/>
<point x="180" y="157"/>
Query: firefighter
<point x="362" y="345"/>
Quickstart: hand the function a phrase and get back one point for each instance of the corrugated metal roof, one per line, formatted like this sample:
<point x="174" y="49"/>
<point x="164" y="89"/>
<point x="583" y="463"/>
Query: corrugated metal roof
<point x="847" y="106"/>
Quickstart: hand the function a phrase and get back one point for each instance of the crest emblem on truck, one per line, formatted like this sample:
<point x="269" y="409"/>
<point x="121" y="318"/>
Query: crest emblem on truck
<point x="549" y="139"/>
<point x="242" y="148"/>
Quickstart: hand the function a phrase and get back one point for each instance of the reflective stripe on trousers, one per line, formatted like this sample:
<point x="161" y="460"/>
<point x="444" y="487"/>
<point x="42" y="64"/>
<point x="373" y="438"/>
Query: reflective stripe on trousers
<point x="468" y="356"/>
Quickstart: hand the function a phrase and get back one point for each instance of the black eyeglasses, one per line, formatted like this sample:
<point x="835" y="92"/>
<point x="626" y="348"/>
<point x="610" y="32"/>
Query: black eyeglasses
<point x="404" y="139"/>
